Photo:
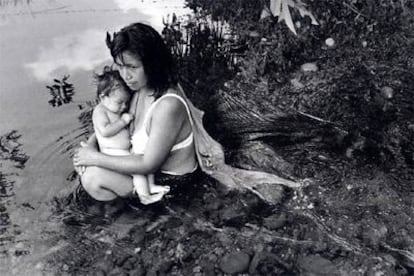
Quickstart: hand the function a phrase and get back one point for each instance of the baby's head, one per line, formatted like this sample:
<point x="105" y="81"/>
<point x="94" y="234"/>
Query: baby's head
<point x="112" y="91"/>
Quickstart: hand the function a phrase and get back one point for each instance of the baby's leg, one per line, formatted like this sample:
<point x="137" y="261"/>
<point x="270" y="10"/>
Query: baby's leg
<point x="141" y="188"/>
<point x="154" y="189"/>
<point x="140" y="184"/>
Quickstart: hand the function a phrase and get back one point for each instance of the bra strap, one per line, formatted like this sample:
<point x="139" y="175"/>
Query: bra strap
<point x="164" y="96"/>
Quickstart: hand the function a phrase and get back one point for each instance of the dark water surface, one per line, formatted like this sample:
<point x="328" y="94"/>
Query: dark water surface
<point x="43" y="40"/>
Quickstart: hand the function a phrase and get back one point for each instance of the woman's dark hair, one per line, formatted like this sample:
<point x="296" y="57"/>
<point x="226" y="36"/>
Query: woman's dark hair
<point x="146" y="44"/>
<point x="108" y="81"/>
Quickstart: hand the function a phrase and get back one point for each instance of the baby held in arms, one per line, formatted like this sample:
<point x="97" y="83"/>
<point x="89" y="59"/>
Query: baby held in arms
<point x="110" y="126"/>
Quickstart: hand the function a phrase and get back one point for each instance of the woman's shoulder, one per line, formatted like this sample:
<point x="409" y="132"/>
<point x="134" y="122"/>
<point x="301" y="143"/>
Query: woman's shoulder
<point x="170" y="104"/>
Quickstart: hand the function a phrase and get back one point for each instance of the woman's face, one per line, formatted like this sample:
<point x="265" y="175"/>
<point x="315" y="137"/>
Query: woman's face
<point x="131" y="70"/>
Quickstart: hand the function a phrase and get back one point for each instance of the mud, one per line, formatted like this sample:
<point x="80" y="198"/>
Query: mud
<point x="353" y="220"/>
<point x="355" y="223"/>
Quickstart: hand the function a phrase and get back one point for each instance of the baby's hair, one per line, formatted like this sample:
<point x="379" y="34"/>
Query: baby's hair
<point x="108" y="81"/>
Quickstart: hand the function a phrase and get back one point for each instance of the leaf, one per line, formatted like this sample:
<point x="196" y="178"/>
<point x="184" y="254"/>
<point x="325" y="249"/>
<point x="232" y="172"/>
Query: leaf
<point x="285" y="15"/>
<point x="290" y="3"/>
<point x="280" y="8"/>
<point x="65" y="78"/>
<point x="265" y="13"/>
<point x="275" y="7"/>
<point x="304" y="12"/>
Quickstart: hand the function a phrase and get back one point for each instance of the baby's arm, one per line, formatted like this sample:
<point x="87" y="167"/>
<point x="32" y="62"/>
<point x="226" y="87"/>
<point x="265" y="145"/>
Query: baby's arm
<point x="105" y="127"/>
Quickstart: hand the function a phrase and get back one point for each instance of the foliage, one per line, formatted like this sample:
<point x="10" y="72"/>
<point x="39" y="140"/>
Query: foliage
<point x="61" y="92"/>
<point x="200" y="50"/>
<point x="280" y="8"/>
<point x="364" y="54"/>
<point x="4" y="3"/>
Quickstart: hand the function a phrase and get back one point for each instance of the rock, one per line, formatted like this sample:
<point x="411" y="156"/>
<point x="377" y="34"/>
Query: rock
<point x="374" y="233"/>
<point x="39" y="266"/>
<point x="266" y="263"/>
<point x="316" y="265"/>
<point x="165" y="267"/>
<point x="119" y="261"/>
<point x="232" y="216"/>
<point x="236" y="262"/>
<point x="387" y="92"/>
<point x="208" y="269"/>
<point x="275" y="221"/>
<point x="255" y="262"/>
<point x="296" y="84"/>
<point x="271" y="193"/>
<point x="309" y="67"/>
<point x="197" y="269"/>
<point x="254" y="34"/>
<point x="116" y="272"/>
<point x="213" y="205"/>
<point x="330" y="42"/>
<point x="99" y="273"/>
<point x="139" y="271"/>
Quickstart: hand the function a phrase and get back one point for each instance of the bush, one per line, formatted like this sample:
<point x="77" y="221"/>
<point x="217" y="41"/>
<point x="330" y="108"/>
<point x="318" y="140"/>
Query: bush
<point x="364" y="79"/>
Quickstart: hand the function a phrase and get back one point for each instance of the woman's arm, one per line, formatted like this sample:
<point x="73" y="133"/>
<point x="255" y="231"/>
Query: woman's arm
<point x="92" y="142"/>
<point x="166" y="123"/>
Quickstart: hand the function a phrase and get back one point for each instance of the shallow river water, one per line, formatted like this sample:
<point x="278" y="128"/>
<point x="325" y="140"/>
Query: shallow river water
<point x="43" y="40"/>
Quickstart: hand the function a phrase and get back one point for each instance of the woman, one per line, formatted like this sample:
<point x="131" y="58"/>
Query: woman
<point x="161" y="134"/>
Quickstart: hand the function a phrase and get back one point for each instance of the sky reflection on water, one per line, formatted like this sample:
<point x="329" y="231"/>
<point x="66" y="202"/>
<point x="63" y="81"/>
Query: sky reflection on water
<point x="76" y="51"/>
<point x="48" y="39"/>
<point x="41" y="41"/>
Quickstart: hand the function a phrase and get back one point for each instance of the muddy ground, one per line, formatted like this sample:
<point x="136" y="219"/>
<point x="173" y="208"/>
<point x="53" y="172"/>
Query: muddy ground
<point x="351" y="221"/>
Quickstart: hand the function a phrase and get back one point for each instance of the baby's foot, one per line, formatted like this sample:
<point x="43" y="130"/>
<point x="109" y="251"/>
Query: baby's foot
<point x="149" y="199"/>
<point x="155" y="189"/>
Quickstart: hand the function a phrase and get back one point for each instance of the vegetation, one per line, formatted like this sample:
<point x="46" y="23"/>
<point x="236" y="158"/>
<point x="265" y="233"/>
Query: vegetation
<point x="361" y="52"/>
<point x="333" y="102"/>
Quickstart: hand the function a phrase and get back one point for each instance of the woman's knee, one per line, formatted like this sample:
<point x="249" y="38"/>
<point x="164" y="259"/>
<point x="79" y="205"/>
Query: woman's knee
<point x="105" y="185"/>
<point x="92" y="184"/>
<point x="88" y="180"/>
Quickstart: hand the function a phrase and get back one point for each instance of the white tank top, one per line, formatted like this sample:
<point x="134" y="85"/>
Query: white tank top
<point x="140" y="137"/>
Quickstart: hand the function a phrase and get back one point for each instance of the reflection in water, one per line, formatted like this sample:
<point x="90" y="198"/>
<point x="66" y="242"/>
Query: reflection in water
<point x="12" y="160"/>
<point x="14" y="2"/>
<point x="66" y="38"/>
<point x="30" y="229"/>
<point x="83" y="50"/>
<point x="156" y="10"/>
<point x="61" y="92"/>
<point x="10" y="149"/>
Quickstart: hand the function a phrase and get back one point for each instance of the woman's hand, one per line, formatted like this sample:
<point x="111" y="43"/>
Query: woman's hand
<point x="81" y="169"/>
<point x="86" y="156"/>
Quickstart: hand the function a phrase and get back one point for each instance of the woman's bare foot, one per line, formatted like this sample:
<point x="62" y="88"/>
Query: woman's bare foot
<point x="149" y="199"/>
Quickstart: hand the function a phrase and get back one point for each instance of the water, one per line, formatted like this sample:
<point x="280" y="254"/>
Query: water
<point x="42" y="40"/>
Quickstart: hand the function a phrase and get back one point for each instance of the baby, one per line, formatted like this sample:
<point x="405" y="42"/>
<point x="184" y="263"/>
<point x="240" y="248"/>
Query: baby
<point x="110" y="126"/>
